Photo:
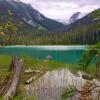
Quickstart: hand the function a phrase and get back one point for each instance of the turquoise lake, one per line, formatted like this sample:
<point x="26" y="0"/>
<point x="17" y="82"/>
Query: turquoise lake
<point x="67" y="54"/>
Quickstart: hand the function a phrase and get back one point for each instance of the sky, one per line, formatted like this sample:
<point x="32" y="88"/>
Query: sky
<point x="63" y="9"/>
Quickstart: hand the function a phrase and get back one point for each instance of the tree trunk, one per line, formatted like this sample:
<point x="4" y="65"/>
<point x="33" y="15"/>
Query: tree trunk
<point x="97" y="69"/>
<point x="12" y="65"/>
<point x="15" y="80"/>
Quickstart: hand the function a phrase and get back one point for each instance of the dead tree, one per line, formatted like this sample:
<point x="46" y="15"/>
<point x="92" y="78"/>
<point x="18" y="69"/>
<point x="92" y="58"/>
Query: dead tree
<point x="8" y="90"/>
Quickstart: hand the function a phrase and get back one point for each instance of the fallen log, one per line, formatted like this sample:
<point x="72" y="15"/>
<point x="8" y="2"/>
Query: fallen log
<point x="30" y="71"/>
<point x="35" y="75"/>
<point x="87" y="77"/>
<point x="30" y="80"/>
<point x="17" y="68"/>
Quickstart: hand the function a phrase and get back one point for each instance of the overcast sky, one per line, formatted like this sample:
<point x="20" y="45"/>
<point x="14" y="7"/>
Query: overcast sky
<point x="63" y="9"/>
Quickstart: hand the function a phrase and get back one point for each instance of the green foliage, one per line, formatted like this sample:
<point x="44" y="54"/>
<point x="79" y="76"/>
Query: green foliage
<point x="69" y="92"/>
<point x="95" y="14"/>
<point x="1" y="98"/>
<point x="37" y="64"/>
<point x="8" y="29"/>
<point x="10" y="13"/>
<point x="42" y="64"/>
<point x="5" y="61"/>
<point x="89" y="55"/>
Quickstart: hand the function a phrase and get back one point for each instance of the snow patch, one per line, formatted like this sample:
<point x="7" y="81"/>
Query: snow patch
<point x="30" y="22"/>
<point x="39" y="16"/>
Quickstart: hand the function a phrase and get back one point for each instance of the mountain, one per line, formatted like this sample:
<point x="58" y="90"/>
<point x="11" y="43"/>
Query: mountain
<point x="85" y="30"/>
<point x="92" y="18"/>
<point x="63" y="21"/>
<point x="42" y="30"/>
<point x="28" y="15"/>
<point x="74" y="17"/>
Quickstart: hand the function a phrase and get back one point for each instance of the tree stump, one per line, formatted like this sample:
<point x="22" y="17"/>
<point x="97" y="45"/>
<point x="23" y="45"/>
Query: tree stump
<point x="9" y="88"/>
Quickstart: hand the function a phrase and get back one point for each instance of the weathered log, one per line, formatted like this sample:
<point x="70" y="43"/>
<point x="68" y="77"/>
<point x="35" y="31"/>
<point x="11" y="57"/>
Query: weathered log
<point x="12" y="67"/>
<point x="5" y="85"/>
<point x="87" y="77"/>
<point x="30" y="80"/>
<point x="15" y="80"/>
<point x="30" y="71"/>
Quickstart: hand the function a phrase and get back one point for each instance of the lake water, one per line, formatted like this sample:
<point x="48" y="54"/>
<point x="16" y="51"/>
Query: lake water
<point x="68" y="54"/>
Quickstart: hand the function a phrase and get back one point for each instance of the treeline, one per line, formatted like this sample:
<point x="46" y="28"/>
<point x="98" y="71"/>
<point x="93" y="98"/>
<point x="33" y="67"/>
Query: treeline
<point x="85" y="31"/>
<point x="83" y="34"/>
<point x="89" y="37"/>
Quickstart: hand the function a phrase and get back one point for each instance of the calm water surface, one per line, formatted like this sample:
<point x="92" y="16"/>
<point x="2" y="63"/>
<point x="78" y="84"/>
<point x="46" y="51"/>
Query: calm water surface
<point x="68" y="54"/>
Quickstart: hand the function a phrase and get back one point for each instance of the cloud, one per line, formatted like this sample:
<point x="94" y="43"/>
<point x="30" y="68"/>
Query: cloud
<point x="63" y="9"/>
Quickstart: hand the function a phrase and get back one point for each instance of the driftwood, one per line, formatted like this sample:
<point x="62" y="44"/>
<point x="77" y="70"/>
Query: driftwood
<point x="8" y="90"/>
<point x="36" y="74"/>
<point x="87" y="77"/>
<point x="30" y="71"/>
<point x="30" y="80"/>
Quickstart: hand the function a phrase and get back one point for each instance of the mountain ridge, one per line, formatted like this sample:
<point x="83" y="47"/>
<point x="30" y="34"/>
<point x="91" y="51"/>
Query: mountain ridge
<point x="29" y="15"/>
<point x="42" y="30"/>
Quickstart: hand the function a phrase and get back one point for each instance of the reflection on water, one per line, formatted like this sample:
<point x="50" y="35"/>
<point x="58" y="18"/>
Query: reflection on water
<point x="51" y="85"/>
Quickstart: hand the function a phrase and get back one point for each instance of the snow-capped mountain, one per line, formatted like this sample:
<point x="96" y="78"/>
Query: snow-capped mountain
<point x="76" y="16"/>
<point x="63" y="21"/>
